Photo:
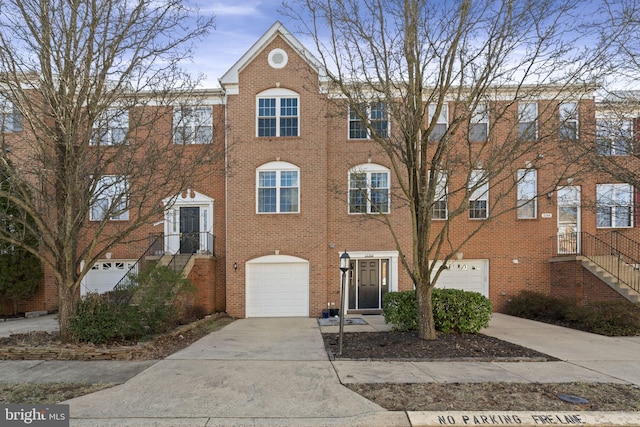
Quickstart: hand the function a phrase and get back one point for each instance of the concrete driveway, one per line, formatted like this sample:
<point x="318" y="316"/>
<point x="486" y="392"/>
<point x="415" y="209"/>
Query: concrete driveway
<point x="252" y="372"/>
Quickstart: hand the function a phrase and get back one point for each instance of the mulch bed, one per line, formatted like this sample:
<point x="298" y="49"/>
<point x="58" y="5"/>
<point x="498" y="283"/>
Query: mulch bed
<point x="407" y="346"/>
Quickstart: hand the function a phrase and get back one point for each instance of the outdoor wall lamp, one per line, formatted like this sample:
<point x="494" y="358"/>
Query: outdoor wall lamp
<point x="344" y="266"/>
<point x="235" y="265"/>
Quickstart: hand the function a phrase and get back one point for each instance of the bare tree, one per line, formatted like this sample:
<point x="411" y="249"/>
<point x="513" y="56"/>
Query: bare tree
<point x="454" y="79"/>
<point x="87" y="92"/>
<point x="616" y="150"/>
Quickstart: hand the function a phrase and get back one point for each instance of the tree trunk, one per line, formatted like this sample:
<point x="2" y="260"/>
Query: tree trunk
<point x="67" y="300"/>
<point x="426" y="326"/>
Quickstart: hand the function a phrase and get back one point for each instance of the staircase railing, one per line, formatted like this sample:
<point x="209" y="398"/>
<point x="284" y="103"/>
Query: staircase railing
<point x="615" y="253"/>
<point x="196" y="243"/>
<point x="120" y="288"/>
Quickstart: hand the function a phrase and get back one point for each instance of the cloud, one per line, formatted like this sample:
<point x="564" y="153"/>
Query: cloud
<point x="223" y="9"/>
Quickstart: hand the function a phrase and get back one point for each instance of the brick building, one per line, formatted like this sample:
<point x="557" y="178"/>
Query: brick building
<point x="271" y="230"/>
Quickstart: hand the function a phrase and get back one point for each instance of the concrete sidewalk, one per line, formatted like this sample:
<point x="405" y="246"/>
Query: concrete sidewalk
<point x="275" y="372"/>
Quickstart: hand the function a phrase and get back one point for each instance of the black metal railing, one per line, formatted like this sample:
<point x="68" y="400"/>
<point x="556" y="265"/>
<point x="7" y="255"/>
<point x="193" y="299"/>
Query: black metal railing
<point x="613" y="252"/>
<point x="191" y="244"/>
<point x="120" y="290"/>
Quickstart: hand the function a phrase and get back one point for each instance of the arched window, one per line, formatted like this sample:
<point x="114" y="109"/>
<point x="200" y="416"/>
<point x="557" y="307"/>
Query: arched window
<point x="369" y="189"/>
<point x="278" y="112"/>
<point x="278" y="188"/>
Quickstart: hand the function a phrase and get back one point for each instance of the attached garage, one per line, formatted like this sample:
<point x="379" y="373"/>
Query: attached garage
<point x="277" y="286"/>
<point x="104" y="275"/>
<point x="468" y="275"/>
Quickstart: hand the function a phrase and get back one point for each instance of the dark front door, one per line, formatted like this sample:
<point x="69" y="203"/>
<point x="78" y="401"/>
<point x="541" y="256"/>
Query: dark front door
<point x="368" y="284"/>
<point x="189" y="230"/>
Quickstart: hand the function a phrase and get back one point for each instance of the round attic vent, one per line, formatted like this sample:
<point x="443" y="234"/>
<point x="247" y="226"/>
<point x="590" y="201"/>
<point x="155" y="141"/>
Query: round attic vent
<point x="278" y="58"/>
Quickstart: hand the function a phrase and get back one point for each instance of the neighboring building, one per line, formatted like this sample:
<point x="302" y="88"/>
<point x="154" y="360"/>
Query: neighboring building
<point x="267" y="236"/>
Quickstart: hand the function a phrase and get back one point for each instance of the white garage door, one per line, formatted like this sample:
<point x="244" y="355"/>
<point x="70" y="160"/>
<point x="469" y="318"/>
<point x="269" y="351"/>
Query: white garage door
<point x="277" y="286"/>
<point x="468" y="275"/>
<point x="104" y="275"/>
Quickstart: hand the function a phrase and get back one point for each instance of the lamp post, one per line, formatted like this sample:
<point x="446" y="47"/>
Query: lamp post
<point x="344" y="266"/>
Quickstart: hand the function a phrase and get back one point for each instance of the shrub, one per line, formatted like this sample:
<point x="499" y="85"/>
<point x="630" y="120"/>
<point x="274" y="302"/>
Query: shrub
<point x="453" y="310"/>
<point x="401" y="310"/>
<point x="459" y="311"/>
<point x="159" y="292"/>
<point x="148" y="304"/>
<point x="612" y="318"/>
<point x="100" y="321"/>
<point x="537" y="306"/>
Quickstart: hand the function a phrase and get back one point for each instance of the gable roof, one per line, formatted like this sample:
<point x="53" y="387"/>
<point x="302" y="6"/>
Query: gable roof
<point x="230" y="78"/>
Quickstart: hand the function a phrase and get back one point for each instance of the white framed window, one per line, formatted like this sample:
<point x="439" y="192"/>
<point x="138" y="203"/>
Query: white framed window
<point x="111" y="128"/>
<point x="479" y="199"/>
<point x="110" y="199"/>
<point x="10" y="117"/>
<point x="568" y="120"/>
<point x="192" y="125"/>
<point x="369" y="189"/>
<point x="479" y="124"/>
<point x="278" y="188"/>
<point x="378" y="121"/>
<point x="614" y="137"/>
<point x="614" y="206"/>
<point x="278" y="113"/>
<point x="442" y="121"/>
<point x="440" y="210"/>
<point x="528" y="120"/>
<point x="527" y="191"/>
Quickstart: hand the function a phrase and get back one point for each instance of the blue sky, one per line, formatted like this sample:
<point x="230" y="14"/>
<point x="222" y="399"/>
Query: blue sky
<point x="239" y="24"/>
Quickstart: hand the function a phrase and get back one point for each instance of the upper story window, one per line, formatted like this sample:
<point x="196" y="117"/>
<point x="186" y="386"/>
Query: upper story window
<point x="479" y="198"/>
<point x="614" y="205"/>
<point x="528" y="120"/>
<point x="110" y="199"/>
<point x="614" y="137"/>
<point x="192" y="125"/>
<point x="278" y="113"/>
<point x="369" y="189"/>
<point x="440" y="210"/>
<point x="568" y="120"/>
<point x="479" y="124"/>
<point x="10" y="117"/>
<point x="376" y="125"/>
<point x="278" y="185"/>
<point x="442" y="121"/>
<point x="111" y="128"/>
<point x="527" y="191"/>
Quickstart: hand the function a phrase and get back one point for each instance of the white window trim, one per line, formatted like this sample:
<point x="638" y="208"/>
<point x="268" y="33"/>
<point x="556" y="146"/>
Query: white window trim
<point x="368" y="169"/>
<point x="441" y="194"/>
<point x="113" y="119"/>
<point x="521" y="115"/>
<point x="571" y="117"/>
<point x="11" y="120"/>
<point x="522" y="173"/>
<point x="108" y="195"/>
<point x="278" y="94"/>
<point x="367" y="128"/>
<point x="481" y="193"/>
<point x="613" y="143"/>
<point x="615" y="188"/>
<point x="277" y="167"/>
<point x="443" y="118"/>
<point x="190" y="123"/>
<point x="480" y="115"/>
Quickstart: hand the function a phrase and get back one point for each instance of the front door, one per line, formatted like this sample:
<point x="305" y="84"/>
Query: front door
<point x="368" y="284"/>
<point x="189" y="230"/>
<point x="569" y="220"/>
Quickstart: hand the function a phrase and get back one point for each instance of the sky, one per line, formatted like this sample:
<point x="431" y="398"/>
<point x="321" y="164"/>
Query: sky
<point x="238" y="25"/>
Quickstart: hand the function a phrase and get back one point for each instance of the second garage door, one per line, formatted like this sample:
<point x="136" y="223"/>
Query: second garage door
<point x="468" y="275"/>
<point x="277" y="286"/>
